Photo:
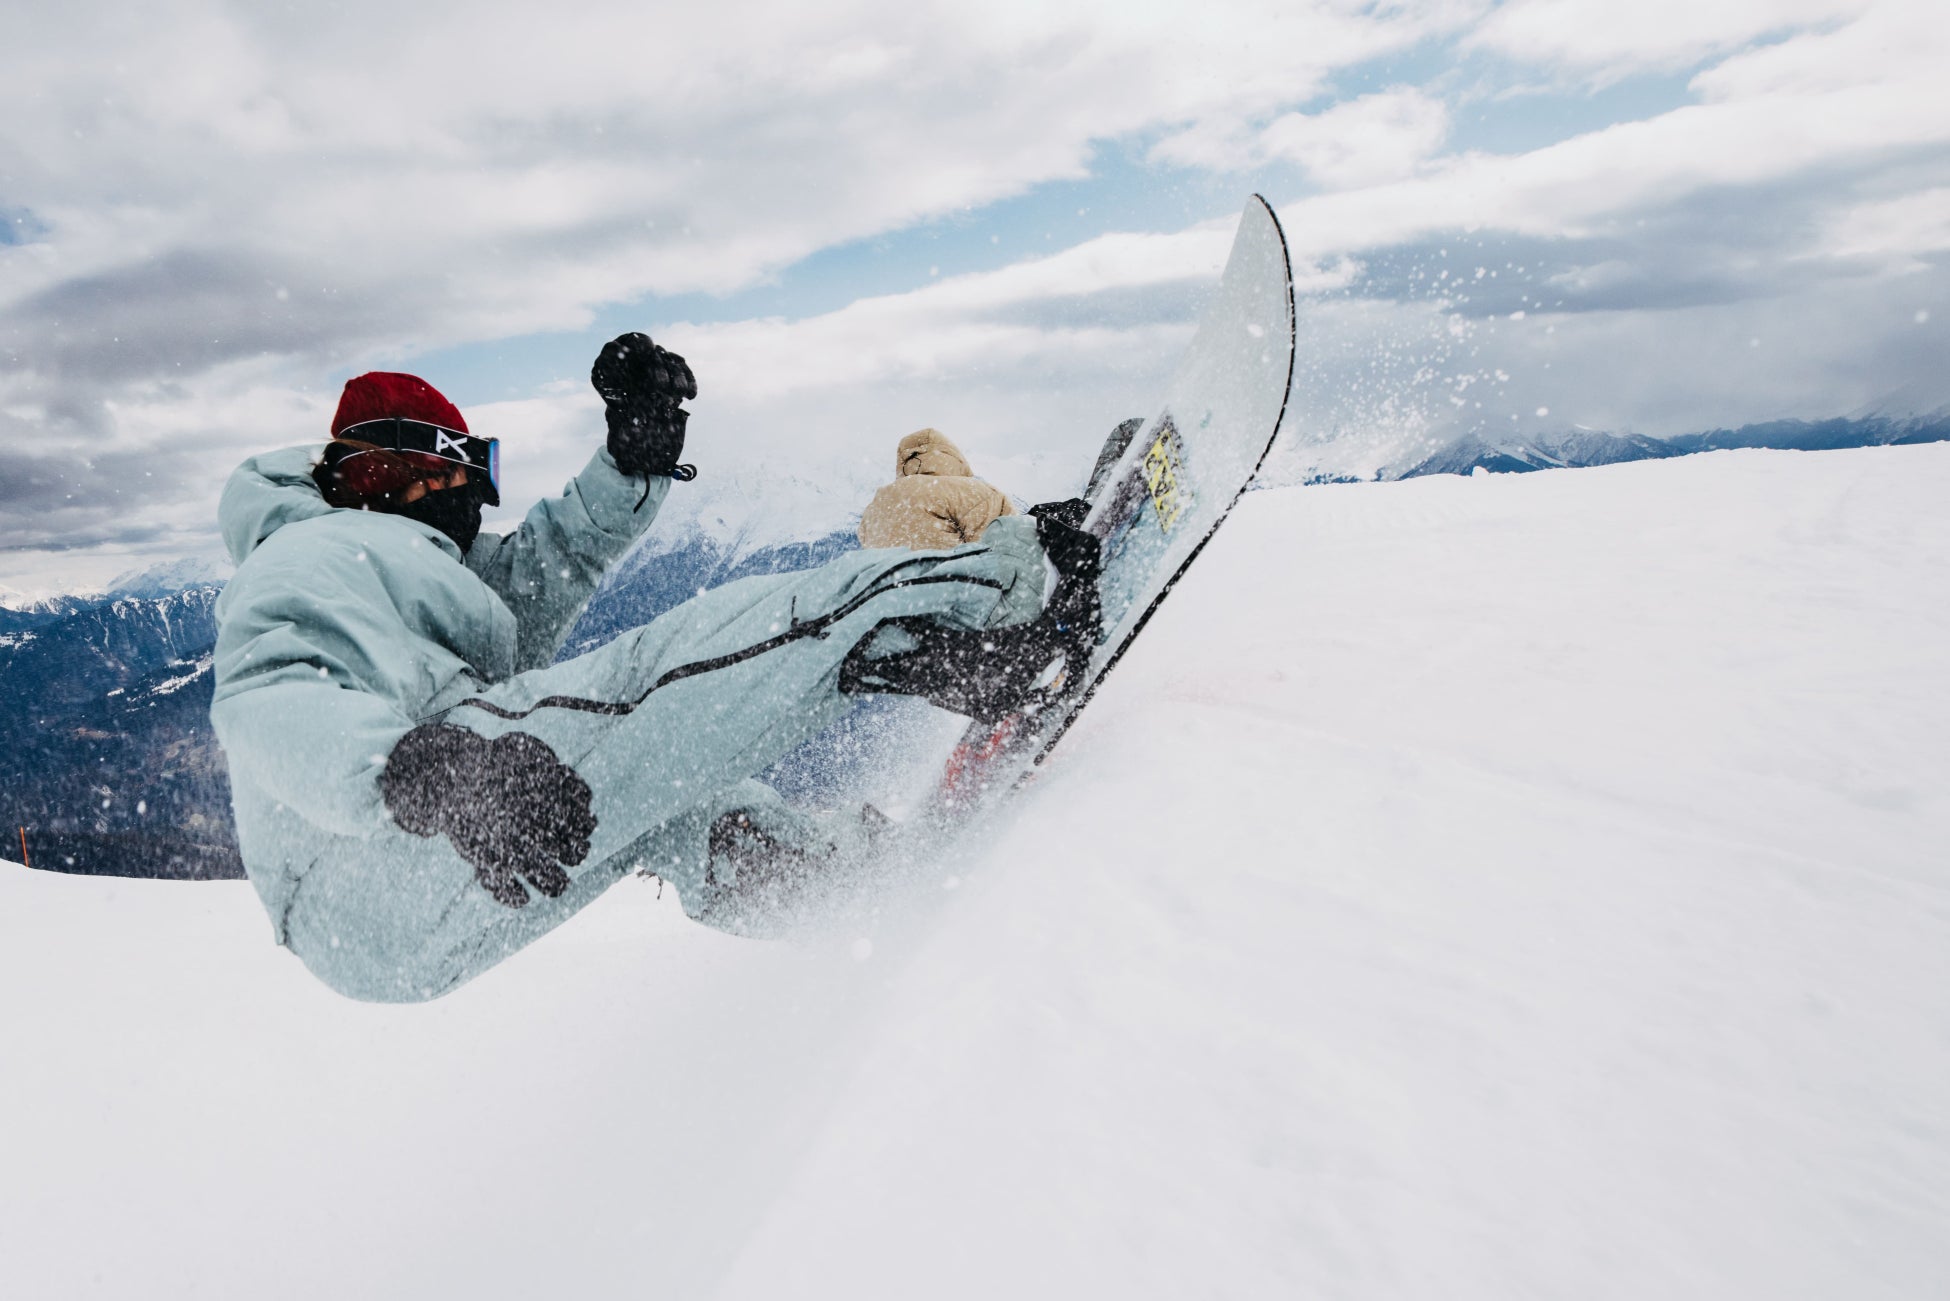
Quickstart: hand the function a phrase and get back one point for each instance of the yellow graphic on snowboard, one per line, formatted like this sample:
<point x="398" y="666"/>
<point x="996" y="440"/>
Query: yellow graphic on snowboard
<point x="1164" y="476"/>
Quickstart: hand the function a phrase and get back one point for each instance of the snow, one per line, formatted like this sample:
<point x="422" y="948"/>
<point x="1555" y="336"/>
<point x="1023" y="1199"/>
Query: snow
<point x="1519" y="886"/>
<point x="168" y="686"/>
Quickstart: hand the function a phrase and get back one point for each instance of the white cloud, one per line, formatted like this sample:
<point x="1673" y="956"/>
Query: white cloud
<point x="484" y="169"/>
<point x="1611" y="39"/>
<point x="1894" y="231"/>
<point x="1901" y="39"/>
<point x="965" y="323"/>
<point x="1882" y="91"/>
<point x="1358" y="142"/>
<point x="1364" y="141"/>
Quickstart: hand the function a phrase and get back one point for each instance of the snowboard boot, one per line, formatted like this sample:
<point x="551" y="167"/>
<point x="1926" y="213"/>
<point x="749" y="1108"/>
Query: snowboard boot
<point x="746" y="857"/>
<point x="764" y="873"/>
<point x="989" y="674"/>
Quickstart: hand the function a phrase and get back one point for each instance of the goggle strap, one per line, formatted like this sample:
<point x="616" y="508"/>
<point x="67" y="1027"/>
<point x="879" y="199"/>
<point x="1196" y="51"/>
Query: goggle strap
<point x="398" y="434"/>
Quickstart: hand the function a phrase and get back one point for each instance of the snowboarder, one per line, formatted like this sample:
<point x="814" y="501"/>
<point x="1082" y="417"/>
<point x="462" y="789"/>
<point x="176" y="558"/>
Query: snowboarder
<point x="419" y="792"/>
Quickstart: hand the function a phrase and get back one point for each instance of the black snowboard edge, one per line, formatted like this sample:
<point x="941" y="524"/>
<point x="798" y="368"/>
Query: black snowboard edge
<point x="1286" y="397"/>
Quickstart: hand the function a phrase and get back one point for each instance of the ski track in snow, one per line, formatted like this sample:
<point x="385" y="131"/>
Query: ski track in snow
<point x="1528" y="886"/>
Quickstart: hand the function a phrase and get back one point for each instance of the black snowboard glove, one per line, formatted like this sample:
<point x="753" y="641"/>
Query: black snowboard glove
<point x="641" y="385"/>
<point x="510" y="807"/>
<point x="1070" y="513"/>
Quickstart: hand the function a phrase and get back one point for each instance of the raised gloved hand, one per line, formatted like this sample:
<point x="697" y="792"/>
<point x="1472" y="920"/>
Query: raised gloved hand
<point x="510" y="807"/>
<point x="641" y="385"/>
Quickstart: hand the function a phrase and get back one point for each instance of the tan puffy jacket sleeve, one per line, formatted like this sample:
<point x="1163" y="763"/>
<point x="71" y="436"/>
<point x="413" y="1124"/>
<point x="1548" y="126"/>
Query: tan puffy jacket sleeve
<point x="935" y="503"/>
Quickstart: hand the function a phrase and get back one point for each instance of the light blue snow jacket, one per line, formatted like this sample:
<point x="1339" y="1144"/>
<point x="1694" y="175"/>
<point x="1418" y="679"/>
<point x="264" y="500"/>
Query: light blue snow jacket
<point x="344" y="628"/>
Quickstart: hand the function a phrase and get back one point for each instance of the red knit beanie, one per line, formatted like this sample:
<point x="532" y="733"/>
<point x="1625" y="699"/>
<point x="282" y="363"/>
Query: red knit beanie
<point x="379" y="394"/>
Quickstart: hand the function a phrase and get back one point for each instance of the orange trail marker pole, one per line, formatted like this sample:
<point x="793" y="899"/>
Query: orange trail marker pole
<point x="23" y="848"/>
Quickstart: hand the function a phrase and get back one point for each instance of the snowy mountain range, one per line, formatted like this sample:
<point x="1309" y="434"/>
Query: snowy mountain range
<point x="1587" y="447"/>
<point x="106" y="759"/>
<point x="21" y="614"/>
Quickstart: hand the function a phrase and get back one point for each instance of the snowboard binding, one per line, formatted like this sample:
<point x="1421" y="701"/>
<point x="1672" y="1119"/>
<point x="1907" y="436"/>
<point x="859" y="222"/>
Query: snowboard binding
<point x="990" y="674"/>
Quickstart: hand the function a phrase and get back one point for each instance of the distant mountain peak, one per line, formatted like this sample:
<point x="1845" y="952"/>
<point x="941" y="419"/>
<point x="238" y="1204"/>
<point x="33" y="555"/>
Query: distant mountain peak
<point x="1918" y="400"/>
<point x="39" y="607"/>
<point x="164" y="577"/>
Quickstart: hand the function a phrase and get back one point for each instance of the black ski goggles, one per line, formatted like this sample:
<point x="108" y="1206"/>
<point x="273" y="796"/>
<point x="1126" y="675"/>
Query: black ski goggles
<point x="419" y="446"/>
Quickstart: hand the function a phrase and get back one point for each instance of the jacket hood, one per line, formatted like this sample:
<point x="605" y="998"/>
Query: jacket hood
<point x="266" y="493"/>
<point x="929" y="451"/>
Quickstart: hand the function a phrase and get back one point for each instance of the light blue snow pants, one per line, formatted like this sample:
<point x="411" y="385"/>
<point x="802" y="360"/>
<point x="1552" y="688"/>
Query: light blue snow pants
<point x="402" y="918"/>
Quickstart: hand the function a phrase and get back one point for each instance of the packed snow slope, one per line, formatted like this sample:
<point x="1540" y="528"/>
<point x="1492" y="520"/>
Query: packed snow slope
<point x="1469" y="888"/>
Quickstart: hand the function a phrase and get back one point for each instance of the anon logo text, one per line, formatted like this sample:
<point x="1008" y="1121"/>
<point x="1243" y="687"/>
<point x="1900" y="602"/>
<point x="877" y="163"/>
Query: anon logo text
<point x="444" y="442"/>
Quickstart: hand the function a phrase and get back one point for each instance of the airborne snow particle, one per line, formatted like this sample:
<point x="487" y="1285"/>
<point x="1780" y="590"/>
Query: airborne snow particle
<point x="1922" y="315"/>
<point x="1543" y="411"/>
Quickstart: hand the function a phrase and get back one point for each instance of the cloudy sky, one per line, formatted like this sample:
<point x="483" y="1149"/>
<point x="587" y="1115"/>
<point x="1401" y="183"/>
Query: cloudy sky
<point x="860" y="217"/>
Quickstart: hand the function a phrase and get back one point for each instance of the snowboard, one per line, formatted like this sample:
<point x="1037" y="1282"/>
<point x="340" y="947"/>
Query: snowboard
<point x="1158" y="492"/>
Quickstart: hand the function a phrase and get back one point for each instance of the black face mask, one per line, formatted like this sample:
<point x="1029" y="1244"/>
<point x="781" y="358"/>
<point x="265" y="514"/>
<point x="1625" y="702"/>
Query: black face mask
<point x="454" y="511"/>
